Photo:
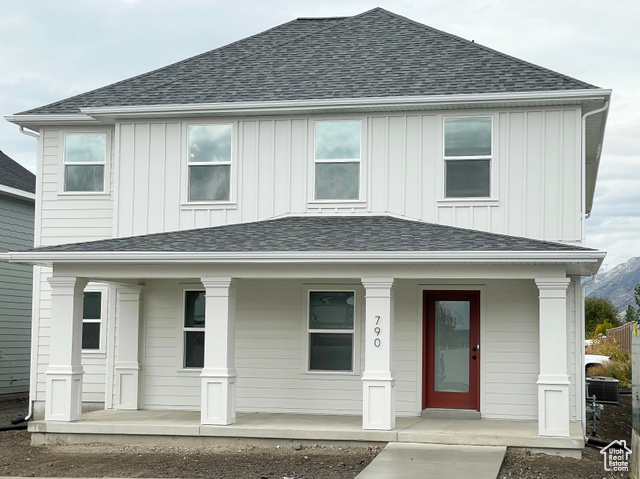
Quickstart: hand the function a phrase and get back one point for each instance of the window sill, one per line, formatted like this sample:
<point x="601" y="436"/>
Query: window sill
<point x="94" y="353"/>
<point x="468" y="202"/>
<point x="319" y="204"/>
<point x="218" y="205"/>
<point x="191" y="371"/>
<point x="331" y="374"/>
<point x="84" y="194"/>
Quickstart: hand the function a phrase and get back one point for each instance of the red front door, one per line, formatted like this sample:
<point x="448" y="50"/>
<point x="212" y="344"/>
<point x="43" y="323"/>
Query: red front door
<point x="451" y="347"/>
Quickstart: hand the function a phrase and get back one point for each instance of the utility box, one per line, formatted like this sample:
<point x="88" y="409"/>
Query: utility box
<point x="605" y="389"/>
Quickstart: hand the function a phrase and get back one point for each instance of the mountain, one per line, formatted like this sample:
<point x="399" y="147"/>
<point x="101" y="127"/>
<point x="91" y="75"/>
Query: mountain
<point x="617" y="284"/>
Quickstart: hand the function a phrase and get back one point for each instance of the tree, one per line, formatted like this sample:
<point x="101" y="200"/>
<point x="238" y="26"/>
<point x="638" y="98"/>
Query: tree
<point x="633" y="314"/>
<point x="597" y="311"/>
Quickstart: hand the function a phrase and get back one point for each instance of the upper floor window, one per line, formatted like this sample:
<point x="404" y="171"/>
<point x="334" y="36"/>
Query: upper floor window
<point x="85" y="157"/>
<point x="467" y="157"/>
<point x="337" y="160"/>
<point x="209" y="162"/>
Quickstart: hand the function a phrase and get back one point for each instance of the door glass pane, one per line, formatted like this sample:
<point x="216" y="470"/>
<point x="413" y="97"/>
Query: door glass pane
<point x="452" y="346"/>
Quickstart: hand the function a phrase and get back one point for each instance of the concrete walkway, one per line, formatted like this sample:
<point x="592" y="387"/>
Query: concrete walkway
<point x="425" y="461"/>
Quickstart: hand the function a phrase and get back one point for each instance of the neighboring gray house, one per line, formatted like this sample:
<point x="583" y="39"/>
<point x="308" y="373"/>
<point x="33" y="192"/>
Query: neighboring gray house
<point x="17" y="202"/>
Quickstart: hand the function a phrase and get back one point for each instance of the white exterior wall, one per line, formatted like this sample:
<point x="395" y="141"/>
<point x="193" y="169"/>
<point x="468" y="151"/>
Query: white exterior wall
<point x="536" y="167"/>
<point x="271" y="351"/>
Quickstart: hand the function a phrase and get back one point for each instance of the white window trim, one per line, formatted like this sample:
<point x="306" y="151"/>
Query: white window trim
<point x="356" y="331"/>
<point x="103" y="289"/>
<point x="356" y="202"/>
<point x="492" y="180"/>
<point x="107" y="164"/>
<point x="181" y="330"/>
<point x="209" y="204"/>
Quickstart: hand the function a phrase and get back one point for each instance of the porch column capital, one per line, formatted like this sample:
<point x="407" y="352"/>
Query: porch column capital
<point x="66" y="284"/>
<point x="377" y="286"/>
<point x="217" y="286"/>
<point x="553" y="287"/>
<point x="129" y="292"/>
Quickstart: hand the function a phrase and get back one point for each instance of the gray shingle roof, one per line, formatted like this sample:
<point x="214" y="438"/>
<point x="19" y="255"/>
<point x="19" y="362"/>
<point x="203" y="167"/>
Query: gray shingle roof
<point x="320" y="234"/>
<point x="374" y="54"/>
<point x="14" y="175"/>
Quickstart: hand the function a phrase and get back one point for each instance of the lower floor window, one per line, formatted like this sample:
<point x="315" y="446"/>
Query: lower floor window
<point x="331" y="330"/>
<point x="193" y="329"/>
<point x="91" y="320"/>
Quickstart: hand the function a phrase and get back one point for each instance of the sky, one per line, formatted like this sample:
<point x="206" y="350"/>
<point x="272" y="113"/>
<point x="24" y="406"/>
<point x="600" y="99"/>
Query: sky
<point x="50" y="50"/>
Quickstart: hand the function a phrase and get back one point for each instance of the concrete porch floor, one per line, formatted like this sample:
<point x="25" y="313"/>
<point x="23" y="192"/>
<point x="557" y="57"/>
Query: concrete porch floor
<point x="112" y="426"/>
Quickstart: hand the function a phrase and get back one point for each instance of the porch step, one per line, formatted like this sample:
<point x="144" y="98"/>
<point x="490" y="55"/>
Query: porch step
<point x="441" y="413"/>
<point x="411" y="460"/>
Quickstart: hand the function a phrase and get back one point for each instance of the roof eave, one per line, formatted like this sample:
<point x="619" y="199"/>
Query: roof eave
<point x="109" y="114"/>
<point x="17" y="193"/>
<point x="591" y="259"/>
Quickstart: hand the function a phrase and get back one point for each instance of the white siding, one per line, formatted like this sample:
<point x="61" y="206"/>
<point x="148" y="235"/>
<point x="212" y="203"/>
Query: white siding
<point x="16" y="283"/>
<point x="271" y="342"/>
<point x="536" y="161"/>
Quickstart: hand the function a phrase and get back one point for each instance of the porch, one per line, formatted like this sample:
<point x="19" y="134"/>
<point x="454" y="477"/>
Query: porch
<point x="184" y="428"/>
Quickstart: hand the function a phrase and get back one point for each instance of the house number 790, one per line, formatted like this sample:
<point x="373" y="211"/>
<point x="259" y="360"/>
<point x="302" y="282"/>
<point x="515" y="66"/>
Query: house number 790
<point x="376" y="341"/>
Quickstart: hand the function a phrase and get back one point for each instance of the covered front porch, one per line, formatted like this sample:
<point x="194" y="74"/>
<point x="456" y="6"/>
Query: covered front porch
<point x="184" y="427"/>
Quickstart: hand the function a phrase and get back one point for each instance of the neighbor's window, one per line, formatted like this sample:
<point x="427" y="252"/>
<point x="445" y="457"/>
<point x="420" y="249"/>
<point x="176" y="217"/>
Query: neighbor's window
<point x="467" y="157"/>
<point x="209" y="162"/>
<point x="84" y="161"/>
<point x="193" y="329"/>
<point x="337" y="160"/>
<point x="331" y="330"/>
<point x="91" y="320"/>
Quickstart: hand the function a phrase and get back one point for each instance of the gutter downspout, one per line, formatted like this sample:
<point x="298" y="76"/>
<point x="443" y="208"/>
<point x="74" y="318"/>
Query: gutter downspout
<point x="583" y="211"/>
<point x="34" y="357"/>
<point x="583" y="381"/>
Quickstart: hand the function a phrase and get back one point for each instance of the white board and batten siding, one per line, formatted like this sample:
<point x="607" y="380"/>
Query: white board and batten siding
<point x="16" y="283"/>
<point x="535" y="164"/>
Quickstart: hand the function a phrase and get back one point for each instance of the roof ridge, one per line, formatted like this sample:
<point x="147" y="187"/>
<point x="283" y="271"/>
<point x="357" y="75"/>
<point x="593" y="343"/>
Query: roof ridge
<point x="489" y="49"/>
<point x="180" y="77"/>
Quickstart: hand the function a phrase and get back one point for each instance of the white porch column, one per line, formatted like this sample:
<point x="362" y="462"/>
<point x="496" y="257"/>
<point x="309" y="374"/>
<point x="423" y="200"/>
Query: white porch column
<point x="63" y="400"/>
<point x="127" y="366"/>
<point x="378" y="382"/>
<point x="219" y="374"/>
<point x="553" y="381"/>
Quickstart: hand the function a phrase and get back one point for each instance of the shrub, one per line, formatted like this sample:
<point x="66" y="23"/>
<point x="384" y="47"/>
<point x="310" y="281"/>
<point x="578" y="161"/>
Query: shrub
<point x="609" y="348"/>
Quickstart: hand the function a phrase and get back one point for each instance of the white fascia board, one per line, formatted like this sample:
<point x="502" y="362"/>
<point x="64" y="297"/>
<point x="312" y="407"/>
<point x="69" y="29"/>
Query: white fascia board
<point x="15" y="192"/>
<point x="69" y="119"/>
<point x="48" y="258"/>
<point x="364" y="104"/>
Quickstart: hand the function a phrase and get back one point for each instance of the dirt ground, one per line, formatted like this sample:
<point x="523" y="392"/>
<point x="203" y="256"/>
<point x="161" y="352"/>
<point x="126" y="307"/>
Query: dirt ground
<point x="19" y="458"/>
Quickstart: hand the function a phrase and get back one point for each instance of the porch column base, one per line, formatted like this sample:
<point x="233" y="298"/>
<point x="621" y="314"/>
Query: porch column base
<point x="378" y="403"/>
<point x="218" y="398"/>
<point x="553" y="405"/>
<point x="64" y="396"/>
<point x="127" y="386"/>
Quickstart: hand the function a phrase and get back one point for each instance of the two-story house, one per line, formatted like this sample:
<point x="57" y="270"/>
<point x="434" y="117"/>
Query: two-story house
<point x="362" y="221"/>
